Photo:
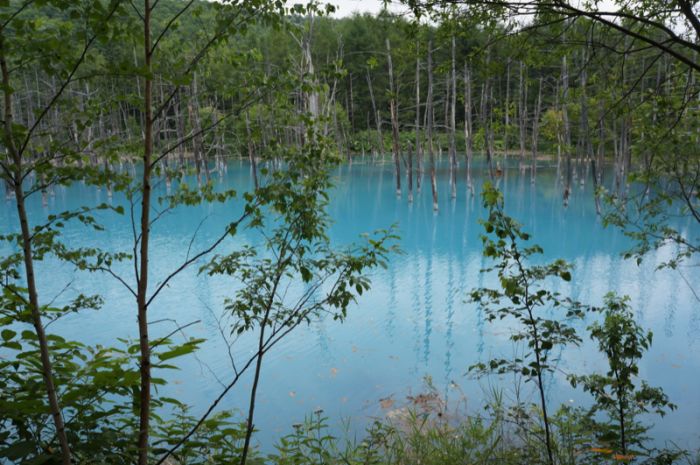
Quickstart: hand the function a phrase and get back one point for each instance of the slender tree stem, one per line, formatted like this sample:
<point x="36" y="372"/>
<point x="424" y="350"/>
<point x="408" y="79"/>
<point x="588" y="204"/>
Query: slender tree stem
<point x="35" y="309"/>
<point x="141" y="297"/>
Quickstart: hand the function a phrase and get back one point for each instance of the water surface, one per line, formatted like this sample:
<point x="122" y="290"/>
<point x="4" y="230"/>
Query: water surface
<point x="414" y="323"/>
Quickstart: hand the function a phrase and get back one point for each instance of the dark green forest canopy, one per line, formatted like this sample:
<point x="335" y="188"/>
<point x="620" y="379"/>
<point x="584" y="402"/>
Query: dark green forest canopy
<point x="607" y="71"/>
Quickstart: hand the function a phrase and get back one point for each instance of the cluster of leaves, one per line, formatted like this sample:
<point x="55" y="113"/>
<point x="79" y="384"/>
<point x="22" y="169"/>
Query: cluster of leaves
<point x="618" y="392"/>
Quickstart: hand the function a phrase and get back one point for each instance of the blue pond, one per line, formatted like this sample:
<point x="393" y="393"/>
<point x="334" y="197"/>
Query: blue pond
<point x="414" y="323"/>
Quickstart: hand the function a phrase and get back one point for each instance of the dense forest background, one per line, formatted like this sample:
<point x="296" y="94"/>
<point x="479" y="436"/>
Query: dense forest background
<point x="570" y="90"/>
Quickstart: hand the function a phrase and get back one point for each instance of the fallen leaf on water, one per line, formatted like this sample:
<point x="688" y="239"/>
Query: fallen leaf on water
<point x="343" y="399"/>
<point x="334" y="371"/>
<point x="354" y="348"/>
<point x="386" y="403"/>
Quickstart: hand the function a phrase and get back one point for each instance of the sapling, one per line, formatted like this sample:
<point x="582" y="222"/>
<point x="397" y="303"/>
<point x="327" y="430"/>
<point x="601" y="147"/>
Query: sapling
<point x="524" y="296"/>
<point x="623" y="342"/>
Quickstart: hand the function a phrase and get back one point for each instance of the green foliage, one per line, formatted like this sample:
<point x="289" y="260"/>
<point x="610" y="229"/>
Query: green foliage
<point x="310" y="443"/>
<point x="618" y="392"/>
<point x="524" y="297"/>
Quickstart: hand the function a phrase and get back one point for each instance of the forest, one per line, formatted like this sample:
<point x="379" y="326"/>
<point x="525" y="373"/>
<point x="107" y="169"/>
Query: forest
<point x="193" y="190"/>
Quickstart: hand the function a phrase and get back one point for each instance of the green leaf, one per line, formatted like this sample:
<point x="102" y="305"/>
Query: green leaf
<point x="7" y="334"/>
<point x="177" y="352"/>
<point x="18" y="450"/>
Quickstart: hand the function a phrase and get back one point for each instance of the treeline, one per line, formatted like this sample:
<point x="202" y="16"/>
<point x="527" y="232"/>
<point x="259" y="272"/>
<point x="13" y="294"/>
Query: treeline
<point x="582" y="94"/>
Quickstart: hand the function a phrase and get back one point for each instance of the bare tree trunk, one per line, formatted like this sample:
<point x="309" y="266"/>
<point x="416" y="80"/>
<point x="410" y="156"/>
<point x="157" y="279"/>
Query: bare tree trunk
<point x="468" y="126"/>
<point x="535" y="133"/>
<point x="616" y="154"/>
<point x="566" y="128"/>
<point x="625" y="153"/>
<point x="446" y="106"/>
<point x="506" y="111"/>
<point x="601" y="146"/>
<point x="486" y="117"/>
<point x="314" y="105"/>
<point x="180" y="128"/>
<point x="394" y="119"/>
<point x="522" y="111"/>
<point x="410" y="173"/>
<point x="453" y="124"/>
<point x="251" y="151"/>
<point x="199" y="153"/>
<point x="419" y="138"/>
<point x="351" y="106"/>
<point x="585" y="136"/>
<point x="377" y="118"/>
<point x="429" y="128"/>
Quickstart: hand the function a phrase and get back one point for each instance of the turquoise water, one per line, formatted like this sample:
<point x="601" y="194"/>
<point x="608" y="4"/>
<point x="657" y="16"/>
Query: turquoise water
<point x="413" y="324"/>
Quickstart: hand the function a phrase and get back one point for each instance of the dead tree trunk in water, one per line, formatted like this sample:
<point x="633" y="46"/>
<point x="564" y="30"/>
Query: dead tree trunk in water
<point x="199" y="153"/>
<point x="522" y="111"/>
<point x="597" y="162"/>
<point x="251" y="150"/>
<point x="535" y="133"/>
<point x="625" y="154"/>
<point x="180" y="129"/>
<point x="506" y="122"/>
<point x="446" y="106"/>
<point x="394" y="119"/>
<point x="566" y="128"/>
<point x="377" y="118"/>
<point x="585" y="136"/>
<point x="468" y="126"/>
<point x="429" y="128"/>
<point x="453" y="116"/>
<point x="410" y="173"/>
<point x="419" y="139"/>
<point x="486" y="117"/>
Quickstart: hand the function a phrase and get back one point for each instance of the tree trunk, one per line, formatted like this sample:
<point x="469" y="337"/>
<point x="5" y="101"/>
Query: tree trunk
<point x="26" y="242"/>
<point x="351" y="105"/>
<point x="429" y="128"/>
<point x="506" y="122"/>
<point x="251" y="150"/>
<point x="567" y="129"/>
<point x="453" y="124"/>
<point x="142" y="277"/>
<point x="419" y="139"/>
<point x="394" y="119"/>
<point x="410" y="173"/>
<point x="522" y="111"/>
<point x="468" y="126"/>
<point x="535" y="133"/>
<point x="377" y="118"/>
<point x="486" y="117"/>
<point x="199" y="153"/>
